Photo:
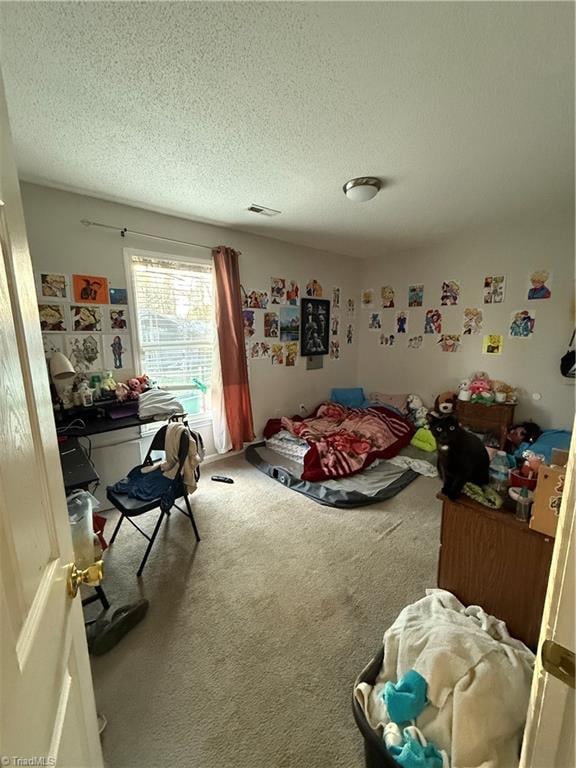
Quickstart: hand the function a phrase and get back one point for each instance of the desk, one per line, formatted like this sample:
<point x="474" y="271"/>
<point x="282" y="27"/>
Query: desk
<point x="95" y="426"/>
<point x="77" y="469"/>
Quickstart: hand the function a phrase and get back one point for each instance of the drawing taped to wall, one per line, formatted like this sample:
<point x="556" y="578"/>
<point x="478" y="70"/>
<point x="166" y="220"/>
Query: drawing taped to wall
<point x="293" y="293"/>
<point x="52" y="342"/>
<point x="277" y="354"/>
<point x="387" y="296"/>
<point x="522" y="324"/>
<point x="271" y="325"/>
<point x="351" y="305"/>
<point x="367" y="298"/>
<point x="248" y="317"/>
<point x="472" y="321"/>
<point x="254" y="299"/>
<point x="118" y="296"/>
<point x="315" y="324"/>
<point x="264" y="350"/>
<point x="118" y="319"/>
<point x="433" y="321"/>
<point x="415" y="342"/>
<point x="277" y="290"/>
<point x="334" y="325"/>
<point x="291" y="354"/>
<point x="314" y="289"/>
<point x="254" y="350"/>
<point x="492" y="344"/>
<point x="84" y="352"/>
<point x="401" y="321"/>
<point x="450" y="293"/>
<point x="415" y="295"/>
<point x="335" y="298"/>
<point x="52" y="317"/>
<point x="374" y="321"/>
<point x="53" y="285"/>
<point x="387" y="340"/>
<point x="289" y="323"/>
<point x="540" y="285"/>
<point x="449" y="342"/>
<point x="117" y="353"/>
<point x="494" y="289"/>
<point x="349" y="333"/>
<point x="86" y="318"/>
<point x="90" y="289"/>
<point x="335" y="349"/>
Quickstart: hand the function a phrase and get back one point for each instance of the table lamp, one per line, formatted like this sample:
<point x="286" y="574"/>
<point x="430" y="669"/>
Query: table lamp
<point x="60" y="367"/>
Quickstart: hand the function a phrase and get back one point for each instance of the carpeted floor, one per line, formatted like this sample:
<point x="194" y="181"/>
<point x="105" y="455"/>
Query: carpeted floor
<point x="253" y="639"/>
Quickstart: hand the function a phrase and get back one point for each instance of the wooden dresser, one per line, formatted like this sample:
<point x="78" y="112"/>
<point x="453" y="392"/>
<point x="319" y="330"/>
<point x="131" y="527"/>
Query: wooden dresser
<point x="489" y="558"/>
<point x="496" y="418"/>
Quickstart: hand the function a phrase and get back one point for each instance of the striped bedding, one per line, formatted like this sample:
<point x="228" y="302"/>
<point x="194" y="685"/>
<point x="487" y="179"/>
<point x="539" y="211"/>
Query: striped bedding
<point x="344" y="441"/>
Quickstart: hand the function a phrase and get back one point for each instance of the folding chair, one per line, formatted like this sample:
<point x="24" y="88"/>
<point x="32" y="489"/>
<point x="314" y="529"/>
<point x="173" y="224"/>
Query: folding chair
<point x="130" y="508"/>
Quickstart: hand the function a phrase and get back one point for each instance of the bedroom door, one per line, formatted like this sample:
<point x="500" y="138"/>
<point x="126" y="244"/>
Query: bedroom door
<point x="549" y="735"/>
<point x="47" y="712"/>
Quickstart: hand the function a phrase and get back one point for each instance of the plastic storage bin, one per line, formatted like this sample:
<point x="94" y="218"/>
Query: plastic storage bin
<point x="375" y="753"/>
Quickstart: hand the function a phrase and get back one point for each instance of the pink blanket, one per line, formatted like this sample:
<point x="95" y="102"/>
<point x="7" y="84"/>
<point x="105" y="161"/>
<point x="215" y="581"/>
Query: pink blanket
<point x="344" y="441"/>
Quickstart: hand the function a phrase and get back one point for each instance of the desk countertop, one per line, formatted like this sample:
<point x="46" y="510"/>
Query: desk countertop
<point x="77" y="469"/>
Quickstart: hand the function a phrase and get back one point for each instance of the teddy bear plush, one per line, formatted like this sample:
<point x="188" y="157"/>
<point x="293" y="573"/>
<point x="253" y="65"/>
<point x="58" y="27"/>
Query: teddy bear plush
<point x="417" y="411"/>
<point x="444" y="403"/>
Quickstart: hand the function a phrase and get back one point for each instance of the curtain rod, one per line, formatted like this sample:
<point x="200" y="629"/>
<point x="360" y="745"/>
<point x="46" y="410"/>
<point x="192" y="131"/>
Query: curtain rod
<point x="124" y="231"/>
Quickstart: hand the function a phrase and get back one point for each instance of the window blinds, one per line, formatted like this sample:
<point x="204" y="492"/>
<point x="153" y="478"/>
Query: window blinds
<point x="173" y="307"/>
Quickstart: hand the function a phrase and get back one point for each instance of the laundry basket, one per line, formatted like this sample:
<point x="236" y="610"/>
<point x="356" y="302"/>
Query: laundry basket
<point x="375" y="752"/>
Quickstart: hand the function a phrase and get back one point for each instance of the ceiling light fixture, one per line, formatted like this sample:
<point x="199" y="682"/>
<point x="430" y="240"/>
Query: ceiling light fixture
<point x="362" y="189"/>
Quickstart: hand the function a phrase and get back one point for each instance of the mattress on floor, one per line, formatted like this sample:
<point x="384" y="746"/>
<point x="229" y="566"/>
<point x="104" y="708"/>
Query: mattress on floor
<point x="380" y="481"/>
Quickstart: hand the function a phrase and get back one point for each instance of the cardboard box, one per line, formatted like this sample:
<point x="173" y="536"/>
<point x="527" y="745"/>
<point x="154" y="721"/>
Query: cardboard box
<point x="547" y="498"/>
<point x="559" y="457"/>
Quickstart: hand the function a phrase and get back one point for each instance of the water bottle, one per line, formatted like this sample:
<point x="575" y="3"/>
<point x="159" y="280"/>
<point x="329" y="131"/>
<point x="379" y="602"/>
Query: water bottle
<point x="499" y="472"/>
<point x="80" y="505"/>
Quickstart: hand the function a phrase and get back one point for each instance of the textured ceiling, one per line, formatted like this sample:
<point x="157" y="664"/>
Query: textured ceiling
<point x="201" y="109"/>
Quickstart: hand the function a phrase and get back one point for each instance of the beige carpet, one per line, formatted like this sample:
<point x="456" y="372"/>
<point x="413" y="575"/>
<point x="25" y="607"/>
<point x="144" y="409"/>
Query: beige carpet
<point x="253" y="639"/>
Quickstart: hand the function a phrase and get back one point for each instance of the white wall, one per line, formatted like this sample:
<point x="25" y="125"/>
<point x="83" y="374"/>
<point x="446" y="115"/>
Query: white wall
<point x="60" y="243"/>
<point x="533" y="364"/>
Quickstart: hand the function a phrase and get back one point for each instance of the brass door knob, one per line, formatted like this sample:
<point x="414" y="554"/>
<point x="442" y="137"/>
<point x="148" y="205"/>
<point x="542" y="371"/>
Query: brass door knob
<point x="92" y="576"/>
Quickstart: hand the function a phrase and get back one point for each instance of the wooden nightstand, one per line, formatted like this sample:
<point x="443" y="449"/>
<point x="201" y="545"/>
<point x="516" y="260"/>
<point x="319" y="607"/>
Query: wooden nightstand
<point x="497" y="418"/>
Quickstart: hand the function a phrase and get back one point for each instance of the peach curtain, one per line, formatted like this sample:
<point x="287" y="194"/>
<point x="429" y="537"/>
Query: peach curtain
<point x="230" y="326"/>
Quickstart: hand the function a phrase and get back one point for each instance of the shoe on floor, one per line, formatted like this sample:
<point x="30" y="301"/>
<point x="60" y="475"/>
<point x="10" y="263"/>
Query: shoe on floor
<point x="105" y="634"/>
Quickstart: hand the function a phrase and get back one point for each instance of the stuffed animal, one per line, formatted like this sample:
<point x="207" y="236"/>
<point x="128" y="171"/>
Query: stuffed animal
<point x="417" y="412"/>
<point x="445" y="402"/>
<point x="122" y="392"/>
<point x="135" y="388"/>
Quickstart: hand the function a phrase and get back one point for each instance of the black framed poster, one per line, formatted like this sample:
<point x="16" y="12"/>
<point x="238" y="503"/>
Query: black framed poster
<point x="315" y="327"/>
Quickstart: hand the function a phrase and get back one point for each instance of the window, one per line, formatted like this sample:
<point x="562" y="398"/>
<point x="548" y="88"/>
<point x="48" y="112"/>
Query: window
<point x="174" y="333"/>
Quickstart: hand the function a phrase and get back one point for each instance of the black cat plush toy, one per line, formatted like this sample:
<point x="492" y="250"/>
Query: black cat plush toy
<point x="461" y="456"/>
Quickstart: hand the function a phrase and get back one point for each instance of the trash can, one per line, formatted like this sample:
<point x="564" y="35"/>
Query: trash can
<point x="375" y="753"/>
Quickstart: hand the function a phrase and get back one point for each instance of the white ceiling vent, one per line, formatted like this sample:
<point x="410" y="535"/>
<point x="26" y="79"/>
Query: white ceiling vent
<point x="262" y="210"/>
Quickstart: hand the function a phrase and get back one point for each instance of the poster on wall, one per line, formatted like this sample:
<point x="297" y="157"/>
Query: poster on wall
<point x="277" y="354"/>
<point x="248" y="317"/>
<point x="401" y="322"/>
<point x="52" y="342"/>
<point x="118" y="319"/>
<point x="415" y="342"/>
<point x="433" y="321"/>
<point x="271" y="325"/>
<point x="277" y="290"/>
<point x="53" y="286"/>
<point x="449" y="342"/>
<point x="293" y="293"/>
<point x="90" y="289"/>
<point x="522" y="324"/>
<point x="375" y="322"/>
<point x="315" y="324"/>
<point x="254" y="299"/>
<point x="52" y="317"/>
<point x="387" y="340"/>
<point x="349" y="334"/>
<point x="335" y="349"/>
<point x="540" y="285"/>
<point x="415" y="295"/>
<point x="118" y="296"/>
<point x="387" y="296"/>
<point x="450" y="293"/>
<point x="84" y="352"/>
<point x="86" y="318"/>
<point x="494" y="289"/>
<point x="336" y="298"/>
<point x="334" y="325"/>
<point x="289" y="324"/>
<point x="254" y="347"/>
<point x="314" y="289"/>
<point x="492" y="344"/>
<point x="472" y="321"/>
<point x="351" y="304"/>
<point x="117" y="354"/>
<point x="265" y="350"/>
<point x="367" y="298"/>
<point x="291" y="354"/>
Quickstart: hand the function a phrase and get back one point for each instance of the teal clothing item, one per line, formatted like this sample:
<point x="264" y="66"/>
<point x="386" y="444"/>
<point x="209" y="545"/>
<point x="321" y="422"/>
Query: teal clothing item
<point x="550" y="438"/>
<point x="406" y="699"/>
<point x="413" y="755"/>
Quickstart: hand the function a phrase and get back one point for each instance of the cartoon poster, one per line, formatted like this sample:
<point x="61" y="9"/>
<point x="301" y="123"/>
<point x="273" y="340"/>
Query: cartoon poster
<point x="540" y="285"/>
<point x="277" y="354"/>
<point x="117" y="354"/>
<point x="415" y="342"/>
<point x="118" y="319"/>
<point x="335" y="298"/>
<point x="291" y="350"/>
<point x="351" y="306"/>
<point x="334" y="325"/>
<point x="52" y="317"/>
<point x="53" y="285"/>
<point x="349" y="333"/>
<point x="264" y="350"/>
<point x="254" y="299"/>
<point x="449" y="342"/>
<point x="90" y="289"/>
<point x="492" y="344"/>
<point x="494" y="289"/>
<point x="387" y="340"/>
<point x="52" y="342"/>
<point x="86" y="318"/>
<point x="118" y="296"/>
<point x="254" y="347"/>
<point x="289" y="323"/>
<point x="314" y="289"/>
<point x="472" y="321"/>
<point x="271" y="325"/>
<point x="415" y="295"/>
<point x="387" y="295"/>
<point x="334" y="349"/>
<point x="401" y="321"/>
<point x="450" y="293"/>
<point x="315" y="325"/>
<point x="433" y="321"/>
<point x="522" y="324"/>
<point x="375" y="322"/>
<point x="84" y="353"/>
<point x="293" y="293"/>
<point x="248" y="315"/>
<point x="277" y="290"/>
<point x="367" y="298"/>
